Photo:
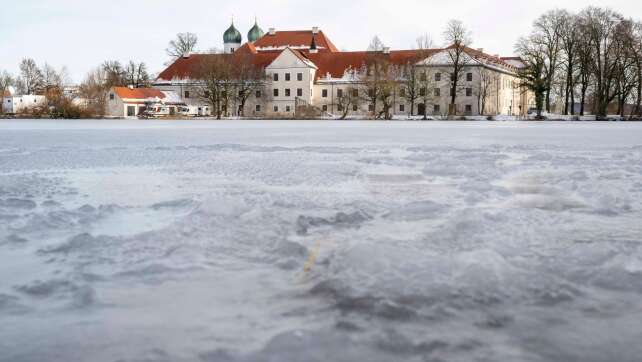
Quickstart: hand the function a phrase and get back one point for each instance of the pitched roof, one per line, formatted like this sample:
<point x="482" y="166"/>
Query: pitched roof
<point x="138" y="93"/>
<point x="186" y="67"/>
<point x="293" y="39"/>
<point x="480" y="55"/>
<point x="334" y="64"/>
<point x="6" y="93"/>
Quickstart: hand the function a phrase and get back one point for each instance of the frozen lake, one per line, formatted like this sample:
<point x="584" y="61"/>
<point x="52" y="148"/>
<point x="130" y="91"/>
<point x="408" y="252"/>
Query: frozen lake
<point x="138" y="241"/>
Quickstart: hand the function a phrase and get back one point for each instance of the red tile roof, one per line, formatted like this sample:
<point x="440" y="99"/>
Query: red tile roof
<point x="297" y="38"/>
<point x="333" y="63"/>
<point x="138" y="93"/>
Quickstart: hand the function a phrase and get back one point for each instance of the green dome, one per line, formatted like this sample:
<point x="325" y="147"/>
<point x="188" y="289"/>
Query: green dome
<point x="232" y="36"/>
<point x="255" y="33"/>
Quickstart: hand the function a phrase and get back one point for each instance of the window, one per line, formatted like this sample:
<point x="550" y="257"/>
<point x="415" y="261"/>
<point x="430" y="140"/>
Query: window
<point x="469" y="109"/>
<point x="469" y="77"/>
<point x="287" y="77"/>
<point x="452" y="92"/>
<point x="371" y="93"/>
<point x="287" y="108"/>
<point x="402" y="92"/>
<point x="424" y="77"/>
<point x="370" y="108"/>
<point x="325" y="108"/>
<point x="422" y="92"/>
<point x="324" y="93"/>
<point x="276" y="108"/>
<point x="340" y="107"/>
<point x="131" y="111"/>
<point x="355" y="93"/>
<point x="469" y="92"/>
<point x="111" y="97"/>
<point x="186" y="94"/>
<point x="276" y="92"/>
<point x="287" y="92"/>
<point x="299" y="92"/>
<point x="276" y="77"/>
<point x="355" y="107"/>
<point x="437" y="92"/>
<point x="299" y="76"/>
<point x="340" y="93"/>
<point x="258" y="94"/>
<point x="241" y="94"/>
<point x="402" y="108"/>
<point x="258" y="108"/>
<point x="438" y="77"/>
<point x="437" y="109"/>
<point x="452" y="77"/>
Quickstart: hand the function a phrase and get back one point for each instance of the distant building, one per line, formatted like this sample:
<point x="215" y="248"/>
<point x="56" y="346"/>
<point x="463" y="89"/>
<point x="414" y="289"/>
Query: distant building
<point x="17" y="104"/>
<point x="306" y="68"/>
<point x="134" y="102"/>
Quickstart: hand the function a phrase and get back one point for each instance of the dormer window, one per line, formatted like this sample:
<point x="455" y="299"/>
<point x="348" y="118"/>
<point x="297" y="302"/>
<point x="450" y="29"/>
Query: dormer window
<point x="111" y="96"/>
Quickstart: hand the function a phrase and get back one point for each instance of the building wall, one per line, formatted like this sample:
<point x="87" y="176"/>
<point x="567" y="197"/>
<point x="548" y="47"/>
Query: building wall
<point x="284" y="105"/>
<point x="22" y="104"/>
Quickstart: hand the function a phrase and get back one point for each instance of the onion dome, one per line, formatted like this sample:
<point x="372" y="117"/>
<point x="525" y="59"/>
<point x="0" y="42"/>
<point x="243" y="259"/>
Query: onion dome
<point x="232" y="36"/>
<point x="255" y="33"/>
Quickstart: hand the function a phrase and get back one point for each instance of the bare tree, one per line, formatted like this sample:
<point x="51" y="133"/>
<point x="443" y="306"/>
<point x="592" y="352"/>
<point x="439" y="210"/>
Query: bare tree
<point x="637" y="54"/>
<point x="346" y="100"/>
<point x="249" y="79"/>
<point x="216" y="82"/>
<point x="31" y="78"/>
<point x="136" y="75"/>
<point x="602" y="27"/>
<point x="183" y="45"/>
<point x="569" y="42"/>
<point x="6" y="81"/>
<point x="533" y="76"/>
<point x="412" y="74"/>
<point x="115" y="75"/>
<point x="93" y="90"/>
<point x="547" y="31"/>
<point x="458" y="39"/>
<point x="487" y="83"/>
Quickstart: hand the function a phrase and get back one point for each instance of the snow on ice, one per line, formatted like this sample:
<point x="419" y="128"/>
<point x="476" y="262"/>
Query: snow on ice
<point x="188" y="241"/>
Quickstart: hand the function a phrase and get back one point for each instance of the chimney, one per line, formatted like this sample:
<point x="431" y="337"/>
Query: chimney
<point x="386" y="50"/>
<point x="313" y="45"/>
<point x="315" y="30"/>
<point x="187" y="55"/>
<point x="272" y="31"/>
<point x="496" y="55"/>
<point x="131" y="86"/>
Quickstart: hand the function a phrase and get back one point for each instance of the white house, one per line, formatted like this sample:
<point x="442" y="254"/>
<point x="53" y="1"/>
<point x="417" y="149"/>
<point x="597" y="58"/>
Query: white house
<point x="15" y="104"/>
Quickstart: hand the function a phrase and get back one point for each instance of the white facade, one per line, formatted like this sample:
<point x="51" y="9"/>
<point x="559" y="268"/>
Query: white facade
<point x="23" y="104"/>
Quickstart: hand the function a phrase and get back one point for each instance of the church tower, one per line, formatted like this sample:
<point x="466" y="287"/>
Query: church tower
<point x="232" y="39"/>
<point x="255" y="33"/>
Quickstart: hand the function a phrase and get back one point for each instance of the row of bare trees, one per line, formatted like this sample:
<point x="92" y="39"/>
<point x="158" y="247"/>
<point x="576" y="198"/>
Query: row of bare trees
<point x="229" y="79"/>
<point x="592" y="58"/>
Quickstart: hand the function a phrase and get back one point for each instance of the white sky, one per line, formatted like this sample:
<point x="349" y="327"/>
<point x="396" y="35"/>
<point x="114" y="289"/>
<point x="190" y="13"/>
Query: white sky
<point x="81" y="34"/>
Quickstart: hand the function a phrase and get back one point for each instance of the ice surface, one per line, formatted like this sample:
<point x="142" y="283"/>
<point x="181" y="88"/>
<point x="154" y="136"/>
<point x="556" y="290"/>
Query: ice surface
<point x="320" y="241"/>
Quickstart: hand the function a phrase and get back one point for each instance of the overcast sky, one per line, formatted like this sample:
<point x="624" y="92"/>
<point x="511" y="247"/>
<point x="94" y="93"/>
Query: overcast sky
<point x="81" y="34"/>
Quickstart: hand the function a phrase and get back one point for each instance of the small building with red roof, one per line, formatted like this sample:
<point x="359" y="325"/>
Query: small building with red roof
<point x="127" y="102"/>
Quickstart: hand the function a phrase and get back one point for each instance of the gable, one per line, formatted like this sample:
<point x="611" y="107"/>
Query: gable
<point x="291" y="59"/>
